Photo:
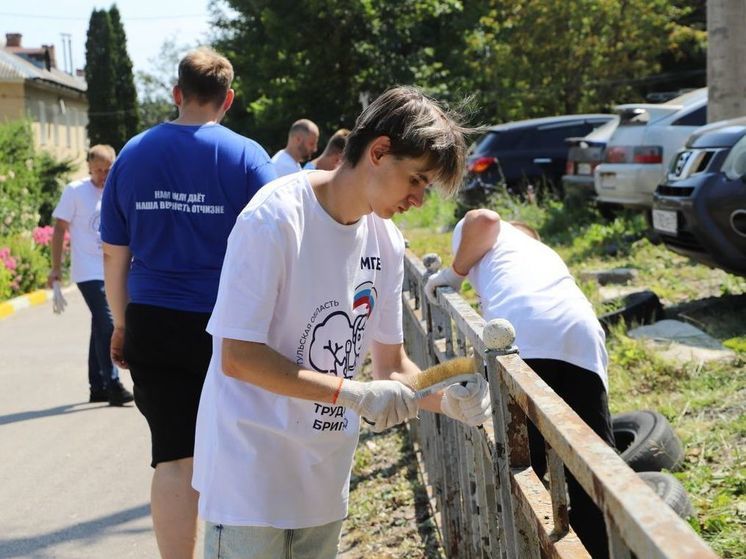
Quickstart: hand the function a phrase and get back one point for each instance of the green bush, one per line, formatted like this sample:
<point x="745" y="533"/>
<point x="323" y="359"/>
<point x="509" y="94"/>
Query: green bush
<point x="53" y="175"/>
<point x="6" y="277"/>
<point x="31" y="265"/>
<point x="20" y="190"/>
<point x="29" y="182"/>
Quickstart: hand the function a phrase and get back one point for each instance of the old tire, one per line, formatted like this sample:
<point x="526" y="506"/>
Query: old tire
<point x="646" y="441"/>
<point x="671" y="492"/>
<point x="642" y="307"/>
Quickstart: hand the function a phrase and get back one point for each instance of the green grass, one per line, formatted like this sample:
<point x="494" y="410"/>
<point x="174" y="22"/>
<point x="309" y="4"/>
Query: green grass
<point x="705" y="403"/>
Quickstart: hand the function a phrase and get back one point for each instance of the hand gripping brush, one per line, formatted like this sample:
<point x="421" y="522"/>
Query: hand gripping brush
<point x="437" y="377"/>
<point x="442" y="375"/>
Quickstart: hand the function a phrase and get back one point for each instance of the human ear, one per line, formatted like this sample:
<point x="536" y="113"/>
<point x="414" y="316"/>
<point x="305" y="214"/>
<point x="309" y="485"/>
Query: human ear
<point x="378" y="148"/>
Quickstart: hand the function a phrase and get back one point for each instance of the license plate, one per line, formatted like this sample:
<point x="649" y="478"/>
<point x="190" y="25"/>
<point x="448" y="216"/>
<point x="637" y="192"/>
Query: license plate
<point x="608" y="180"/>
<point x="664" y="220"/>
<point x="584" y="168"/>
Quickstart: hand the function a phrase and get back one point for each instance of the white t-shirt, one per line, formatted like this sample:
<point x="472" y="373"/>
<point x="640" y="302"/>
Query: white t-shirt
<point x="284" y="163"/>
<point x="527" y="283"/>
<point x="318" y="292"/>
<point x="80" y="206"/>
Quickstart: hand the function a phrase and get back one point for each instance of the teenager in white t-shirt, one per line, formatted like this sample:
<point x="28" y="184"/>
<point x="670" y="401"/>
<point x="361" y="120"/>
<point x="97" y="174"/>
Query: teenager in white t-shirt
<point x="79" y="212"/>
<point x="524" y="281"/>
<point x="311" y="282"/>
<point x="303" y="141"/>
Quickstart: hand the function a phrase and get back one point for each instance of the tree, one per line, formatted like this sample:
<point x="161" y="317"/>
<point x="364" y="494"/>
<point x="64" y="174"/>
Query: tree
<point x="103" y="122"/>
<point x="537" y="58"/>
<point x="155" y="86"/>
<point x="112" y="98"/>
<point x="518" y="58"/>
<point x="125" y="84"/>
<point x="337" y="51"/>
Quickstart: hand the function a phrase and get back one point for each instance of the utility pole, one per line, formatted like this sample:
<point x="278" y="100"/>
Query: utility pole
<point x="726" y="53"/>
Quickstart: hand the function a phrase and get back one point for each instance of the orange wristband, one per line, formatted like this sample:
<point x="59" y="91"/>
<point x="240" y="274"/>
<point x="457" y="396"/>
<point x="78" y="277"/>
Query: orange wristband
<point x="339" y="388"/>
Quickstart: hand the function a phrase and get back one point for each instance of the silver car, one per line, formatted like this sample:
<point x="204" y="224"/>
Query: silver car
<point x="639" y="151"/>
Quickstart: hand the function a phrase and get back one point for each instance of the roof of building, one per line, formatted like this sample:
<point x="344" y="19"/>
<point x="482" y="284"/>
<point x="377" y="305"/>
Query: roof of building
<point x="15" y="68"/>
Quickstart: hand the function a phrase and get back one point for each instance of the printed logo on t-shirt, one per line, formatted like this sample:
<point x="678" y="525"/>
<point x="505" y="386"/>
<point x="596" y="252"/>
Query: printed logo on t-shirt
<point x="94" y="224"/>
<point x="370" y="263"/>
<point x="190" y="203"/>
<point x="335" y="342"/>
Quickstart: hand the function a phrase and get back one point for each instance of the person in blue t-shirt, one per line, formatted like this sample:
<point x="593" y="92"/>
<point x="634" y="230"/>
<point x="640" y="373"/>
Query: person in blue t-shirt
<point x="170" y="203"/>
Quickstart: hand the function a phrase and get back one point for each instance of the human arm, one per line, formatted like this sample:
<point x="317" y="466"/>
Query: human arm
<point x="384" y="403"/>
<point x="116" y="269"/>
<point x="58" y="240"/>
<point x="478" y="235"/>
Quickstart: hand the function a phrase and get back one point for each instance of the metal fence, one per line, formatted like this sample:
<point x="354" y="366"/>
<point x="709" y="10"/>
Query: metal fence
<point x="489" y="501"/>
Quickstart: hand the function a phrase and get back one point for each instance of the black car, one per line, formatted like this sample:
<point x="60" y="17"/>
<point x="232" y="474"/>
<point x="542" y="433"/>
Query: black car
<point x="700" y="211"/>
<point x="516" y="154"/>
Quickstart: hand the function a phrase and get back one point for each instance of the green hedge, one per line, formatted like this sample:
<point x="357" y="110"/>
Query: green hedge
<point x="30" y="186"/>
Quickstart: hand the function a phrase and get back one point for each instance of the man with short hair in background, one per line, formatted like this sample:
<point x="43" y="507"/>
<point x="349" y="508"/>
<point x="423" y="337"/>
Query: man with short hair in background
<point x="331" y="157"/>
<point x="303" y="141"/>
<point x="171" y="201"/>
<point x="78" y="212"/>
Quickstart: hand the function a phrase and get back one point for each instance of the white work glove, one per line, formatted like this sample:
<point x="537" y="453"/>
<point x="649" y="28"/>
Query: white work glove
<point x="384" y="403"/>
<point x="58" y="300"/>
<point x="469" y="404"/>
<point x="446" y="277"/>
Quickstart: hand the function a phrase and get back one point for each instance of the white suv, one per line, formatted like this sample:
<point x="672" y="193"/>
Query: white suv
<point x="640" y="149"/>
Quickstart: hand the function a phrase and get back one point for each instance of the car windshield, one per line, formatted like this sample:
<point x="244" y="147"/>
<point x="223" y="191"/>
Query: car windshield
<point x="734" y="165"/>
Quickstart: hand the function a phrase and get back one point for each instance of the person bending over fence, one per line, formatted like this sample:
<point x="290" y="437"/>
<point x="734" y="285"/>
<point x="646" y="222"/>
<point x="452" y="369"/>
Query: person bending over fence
<point x="521" y="279"/>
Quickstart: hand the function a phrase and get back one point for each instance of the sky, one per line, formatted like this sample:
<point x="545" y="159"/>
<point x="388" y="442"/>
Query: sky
<point x="147" y="24"/>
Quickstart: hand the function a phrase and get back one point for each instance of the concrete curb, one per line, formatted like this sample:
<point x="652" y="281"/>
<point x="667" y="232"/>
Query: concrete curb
<point x="12" y="306"/>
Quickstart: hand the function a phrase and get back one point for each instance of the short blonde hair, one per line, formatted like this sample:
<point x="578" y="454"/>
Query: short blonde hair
<point x="205" y="76"/>
<point x="101" y="151"/>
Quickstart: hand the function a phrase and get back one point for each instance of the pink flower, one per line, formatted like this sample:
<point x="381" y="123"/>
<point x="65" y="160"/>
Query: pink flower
<point x="43" y="235"/>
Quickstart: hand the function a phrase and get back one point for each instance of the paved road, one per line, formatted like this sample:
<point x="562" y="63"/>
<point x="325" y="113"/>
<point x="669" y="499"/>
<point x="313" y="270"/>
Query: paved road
<point x="74" y="476"/>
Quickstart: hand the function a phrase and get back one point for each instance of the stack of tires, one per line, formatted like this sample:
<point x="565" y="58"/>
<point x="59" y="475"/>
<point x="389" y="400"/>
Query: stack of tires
<point x="647" y="443"/>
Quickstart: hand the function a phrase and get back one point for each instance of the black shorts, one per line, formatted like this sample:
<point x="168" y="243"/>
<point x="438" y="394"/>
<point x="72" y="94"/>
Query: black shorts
<point x="168" y="352"/>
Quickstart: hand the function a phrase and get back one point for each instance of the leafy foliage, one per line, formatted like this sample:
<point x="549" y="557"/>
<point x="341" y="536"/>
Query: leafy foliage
<point x="323" y="59"/>
<point x="19" y="185"/>
<point x="156" y="103"/>
<point x="126" y="94"/>
<point x="112" y="100"/>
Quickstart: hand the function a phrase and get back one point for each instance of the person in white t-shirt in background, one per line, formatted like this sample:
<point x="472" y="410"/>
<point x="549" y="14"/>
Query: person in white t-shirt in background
<point x="331" y="157"/>
<point x="303" y="141"/>
<point x="311" y="281"/>
<point x="557" y="333"/>
<point x="79" y="212"/>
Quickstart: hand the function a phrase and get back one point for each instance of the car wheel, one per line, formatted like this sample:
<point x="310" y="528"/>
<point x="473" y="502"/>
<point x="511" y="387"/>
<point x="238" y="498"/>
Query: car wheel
<point x="608" y="211"/>
<point x="647" y="442"/>
<point x="671" y="492"/>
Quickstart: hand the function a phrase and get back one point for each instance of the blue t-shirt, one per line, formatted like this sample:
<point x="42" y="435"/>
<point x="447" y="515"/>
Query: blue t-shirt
<point x="172" y="197"/>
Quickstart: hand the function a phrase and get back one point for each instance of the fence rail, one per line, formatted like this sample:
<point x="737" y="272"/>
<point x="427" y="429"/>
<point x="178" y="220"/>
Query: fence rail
<point x="489" y="501"/>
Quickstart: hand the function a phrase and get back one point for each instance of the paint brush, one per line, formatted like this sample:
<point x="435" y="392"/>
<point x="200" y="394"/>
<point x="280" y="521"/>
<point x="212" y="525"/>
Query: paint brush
<point x="437" y="377"/>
